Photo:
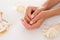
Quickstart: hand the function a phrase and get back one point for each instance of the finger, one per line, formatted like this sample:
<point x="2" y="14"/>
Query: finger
<point x="33" y="8"/>
<point x="37" y="24"/>
<point x="35" y="13"/>
<point x="27" y="18"/>
<point x="26" y="15"/>
<point x="26" y="24"/>
<point x="36" y="18"/>
<point x="30" y="10"/>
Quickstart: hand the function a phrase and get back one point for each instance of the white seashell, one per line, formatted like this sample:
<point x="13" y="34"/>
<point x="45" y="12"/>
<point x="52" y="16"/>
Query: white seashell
<point x="52" y="32"/>
<point x="21" y="8"/>
<point x="3" y="24"/>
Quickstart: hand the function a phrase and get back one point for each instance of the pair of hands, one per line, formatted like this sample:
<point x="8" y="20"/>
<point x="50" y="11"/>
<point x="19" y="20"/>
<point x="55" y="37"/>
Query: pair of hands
<point x="34" y="17"/>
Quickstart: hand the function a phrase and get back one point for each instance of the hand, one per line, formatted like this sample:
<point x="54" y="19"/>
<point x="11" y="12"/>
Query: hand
<point x="34" y="26"/>
<point x="45" y="14"/>
<point x="41" y="15"/>
<point x="29" y="11"/>
<point x="36" y="21"/>
<point x="28" y="17"/>
<point x="32" y="11"/>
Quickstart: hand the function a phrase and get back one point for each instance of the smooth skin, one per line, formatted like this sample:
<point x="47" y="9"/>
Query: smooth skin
<point x="34" y="19"/>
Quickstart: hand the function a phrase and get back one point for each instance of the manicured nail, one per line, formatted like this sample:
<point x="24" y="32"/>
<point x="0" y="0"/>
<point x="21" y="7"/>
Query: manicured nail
<point x="31" y="22"/>
<point x="32" y="16"/>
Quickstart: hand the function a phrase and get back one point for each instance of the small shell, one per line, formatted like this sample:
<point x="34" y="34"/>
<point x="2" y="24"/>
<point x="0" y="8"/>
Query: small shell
<point x="52" y="32"/>
<point x="3" y="25"/>
<point x="21" y="8"/>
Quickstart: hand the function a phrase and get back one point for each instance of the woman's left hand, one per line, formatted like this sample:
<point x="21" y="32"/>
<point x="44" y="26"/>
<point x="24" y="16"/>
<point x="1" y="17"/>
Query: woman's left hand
<point x="41" y="15"/>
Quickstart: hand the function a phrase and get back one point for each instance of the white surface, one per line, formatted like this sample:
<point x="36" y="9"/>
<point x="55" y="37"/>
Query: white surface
<point x="17" y="30"/>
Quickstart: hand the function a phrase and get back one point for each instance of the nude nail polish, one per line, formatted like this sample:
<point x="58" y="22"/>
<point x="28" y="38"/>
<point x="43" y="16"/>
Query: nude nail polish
<point x="31" y="22"/>
<point x="32" y="16"/>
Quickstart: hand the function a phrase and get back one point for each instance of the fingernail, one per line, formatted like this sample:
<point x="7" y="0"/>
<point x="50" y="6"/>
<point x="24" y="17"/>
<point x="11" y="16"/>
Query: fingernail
<point x="32" y="16"/>
<point x="31" y="22"/>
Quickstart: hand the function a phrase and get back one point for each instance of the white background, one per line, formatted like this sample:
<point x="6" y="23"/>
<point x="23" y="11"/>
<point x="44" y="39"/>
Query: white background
<point x="17" y="30"/>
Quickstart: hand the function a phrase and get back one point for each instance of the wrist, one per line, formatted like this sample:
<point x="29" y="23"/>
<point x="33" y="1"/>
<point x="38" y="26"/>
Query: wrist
<point x="47" y="14"/>
<point x="42" y="8"/>
<point x="50" y="13"/>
